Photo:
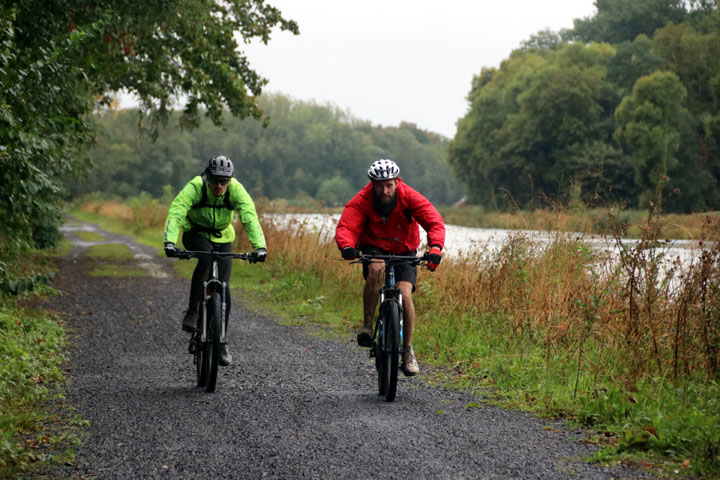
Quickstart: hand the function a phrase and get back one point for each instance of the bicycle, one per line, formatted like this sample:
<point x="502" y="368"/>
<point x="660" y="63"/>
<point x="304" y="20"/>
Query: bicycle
<point x="206" y="339"/>
<point x="386" y="346"/>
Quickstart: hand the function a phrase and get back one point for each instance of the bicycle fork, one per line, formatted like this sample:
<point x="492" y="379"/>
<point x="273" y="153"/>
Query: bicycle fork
<point x="207" y="298"/>
<point x="377" y="334"/>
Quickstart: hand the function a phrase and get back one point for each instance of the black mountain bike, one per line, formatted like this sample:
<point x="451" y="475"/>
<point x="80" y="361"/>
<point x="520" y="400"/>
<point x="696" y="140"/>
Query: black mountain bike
<point x="206" y="339"/>
<point x="387" y="334"/>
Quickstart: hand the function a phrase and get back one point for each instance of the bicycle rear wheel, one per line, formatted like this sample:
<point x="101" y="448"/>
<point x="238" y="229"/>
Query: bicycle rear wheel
<point x="212" y="346"/>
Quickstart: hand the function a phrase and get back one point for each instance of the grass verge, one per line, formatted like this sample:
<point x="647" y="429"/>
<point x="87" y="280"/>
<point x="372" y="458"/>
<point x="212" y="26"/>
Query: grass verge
<point x="37" y="431"/>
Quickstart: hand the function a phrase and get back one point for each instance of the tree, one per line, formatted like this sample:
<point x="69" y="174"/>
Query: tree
<point x="649" y="123"/>
<point x="531" y="125"/>
<point x="61" y="58"/>
<point x="632" y="60"/>
<point x="303" y="152"/>
<point x="334" y="192"/>
<point x="618" y="21"/>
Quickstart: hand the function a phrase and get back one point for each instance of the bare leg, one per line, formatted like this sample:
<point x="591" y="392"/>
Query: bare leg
<point x="408" y="313"/>
<point x="370" y="293"/>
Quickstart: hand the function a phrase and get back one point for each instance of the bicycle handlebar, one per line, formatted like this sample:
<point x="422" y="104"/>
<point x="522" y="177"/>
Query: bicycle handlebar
<point x="392" y="259"/>
<point x="188" y="254"/>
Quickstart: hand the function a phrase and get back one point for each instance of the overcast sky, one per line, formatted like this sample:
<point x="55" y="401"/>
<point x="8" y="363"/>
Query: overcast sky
<point x="389" y="61"/>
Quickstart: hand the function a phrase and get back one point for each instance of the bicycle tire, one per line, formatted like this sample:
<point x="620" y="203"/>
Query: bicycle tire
<point x="200" y="371"/>
<point x="392" y="324"/>
<point x="212" y="346"/>
<point x="381" y="356"/>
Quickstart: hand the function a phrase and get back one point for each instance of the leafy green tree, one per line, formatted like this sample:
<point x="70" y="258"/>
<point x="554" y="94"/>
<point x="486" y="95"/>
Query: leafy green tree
<point x="618" y="21"/>
<point x="649" y="123"/>
<point x="531" y="125"/>
<point x="305" y="151"/>
<point x="60" y="58"/>
<point x="550" y="119"/>
<point x="632" y="60"/>
<point x="334" y="192"/>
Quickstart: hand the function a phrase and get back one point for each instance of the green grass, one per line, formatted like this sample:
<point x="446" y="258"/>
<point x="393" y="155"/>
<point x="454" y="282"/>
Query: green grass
<point x="114" y="251"/>
<point x="36" y="428"/>
<point x="117" y="271"/>
<point x="89" y="236"/>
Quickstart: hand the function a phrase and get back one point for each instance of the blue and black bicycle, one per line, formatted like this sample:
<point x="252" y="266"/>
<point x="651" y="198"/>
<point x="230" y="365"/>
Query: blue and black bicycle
<point x="387" y="335"/>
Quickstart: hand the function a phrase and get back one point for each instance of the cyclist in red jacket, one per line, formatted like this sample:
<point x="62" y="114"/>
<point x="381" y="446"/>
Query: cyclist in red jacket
<point x="383" y="218"/>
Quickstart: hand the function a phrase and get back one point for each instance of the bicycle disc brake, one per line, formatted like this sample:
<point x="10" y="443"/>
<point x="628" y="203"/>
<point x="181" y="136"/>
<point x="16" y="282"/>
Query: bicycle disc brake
<point x="192" y="346"/>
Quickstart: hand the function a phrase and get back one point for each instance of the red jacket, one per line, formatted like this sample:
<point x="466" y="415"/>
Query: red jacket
<point x="361" y="225"/>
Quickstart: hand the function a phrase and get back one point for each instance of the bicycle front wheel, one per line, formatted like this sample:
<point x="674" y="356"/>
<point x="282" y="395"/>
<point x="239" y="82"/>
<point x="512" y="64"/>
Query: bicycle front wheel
<point x="212" y="346"/>
<point x="390" y="348"/>
<point x="200" y="362"/>
<point x="381" y="356"/>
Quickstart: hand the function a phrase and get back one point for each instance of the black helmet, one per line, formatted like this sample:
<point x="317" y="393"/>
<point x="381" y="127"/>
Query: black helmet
<point x="220" y="166"/>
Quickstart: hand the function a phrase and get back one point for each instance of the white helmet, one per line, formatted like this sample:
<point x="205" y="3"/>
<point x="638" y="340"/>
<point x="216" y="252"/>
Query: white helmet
<point x="383" y="169"/>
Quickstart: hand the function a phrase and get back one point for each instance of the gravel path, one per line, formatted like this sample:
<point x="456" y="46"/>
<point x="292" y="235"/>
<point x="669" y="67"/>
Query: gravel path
<point x="292" y="406"/>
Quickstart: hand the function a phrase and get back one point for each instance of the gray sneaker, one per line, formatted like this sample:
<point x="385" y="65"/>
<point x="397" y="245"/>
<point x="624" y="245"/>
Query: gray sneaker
<point x="409" y="366"/>
<point x="189" y="322"/>
<point x="225" y="357"/>
<point x="364" y="336"/>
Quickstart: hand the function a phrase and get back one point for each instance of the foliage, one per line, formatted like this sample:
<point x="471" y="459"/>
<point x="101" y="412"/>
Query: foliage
<point x="606" y="119"/>
<point x="308" y="149"/>
<point x="649" y="128"/>
<point x="619" y="21"/>
<point x="58" y="60"/>
<point x="32" y="353"/>
<point x="538" y="124"/>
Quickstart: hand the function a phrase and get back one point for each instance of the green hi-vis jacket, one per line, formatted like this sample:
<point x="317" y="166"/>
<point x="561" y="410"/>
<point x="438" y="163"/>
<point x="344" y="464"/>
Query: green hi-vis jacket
<point x="214" y="223"/>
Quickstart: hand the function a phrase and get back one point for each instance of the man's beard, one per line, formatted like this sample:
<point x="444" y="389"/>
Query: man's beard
<point x="384" y="208"/>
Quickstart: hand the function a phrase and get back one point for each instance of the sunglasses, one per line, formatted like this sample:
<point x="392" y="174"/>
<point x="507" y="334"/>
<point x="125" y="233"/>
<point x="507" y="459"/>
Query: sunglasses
<point x="219" y="181"/>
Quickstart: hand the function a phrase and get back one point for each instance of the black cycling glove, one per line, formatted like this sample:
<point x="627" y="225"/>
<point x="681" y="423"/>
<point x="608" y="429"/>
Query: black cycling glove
<point x="171" y="250"/>
<point x="349" y="253"/>
<point x="258" y="255"/>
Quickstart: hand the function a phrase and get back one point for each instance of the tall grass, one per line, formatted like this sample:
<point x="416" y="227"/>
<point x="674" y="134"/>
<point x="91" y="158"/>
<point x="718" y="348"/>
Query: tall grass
<point x="628" y="344"/>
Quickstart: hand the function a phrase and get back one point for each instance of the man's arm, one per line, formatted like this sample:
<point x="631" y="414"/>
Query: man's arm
<point x="179" y="208"/>
<point x="244" y="205"/>
<point x="350" y="225"/>
<point x="428" y="217"/>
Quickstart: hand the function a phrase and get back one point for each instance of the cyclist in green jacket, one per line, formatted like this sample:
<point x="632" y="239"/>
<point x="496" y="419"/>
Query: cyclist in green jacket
<point x="204" y="209"/>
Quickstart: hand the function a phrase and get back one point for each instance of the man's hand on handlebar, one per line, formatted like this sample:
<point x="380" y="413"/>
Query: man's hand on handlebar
<point x="258" y="255"/>
<point x="171" y="250"/>
<point x="349" y="253"/>
<point x="434" y="256"/>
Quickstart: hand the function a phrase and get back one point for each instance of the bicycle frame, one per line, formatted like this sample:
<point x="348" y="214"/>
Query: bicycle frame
<point x="392" y="292"/>
<point x="206" y="341"/>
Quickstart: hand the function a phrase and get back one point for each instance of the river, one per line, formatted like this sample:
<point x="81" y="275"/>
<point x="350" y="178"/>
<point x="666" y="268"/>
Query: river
<point x="468" y="241"/>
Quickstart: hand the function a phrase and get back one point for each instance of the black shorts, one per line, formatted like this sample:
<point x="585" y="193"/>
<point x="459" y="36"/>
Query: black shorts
<point x="403" y="273"/>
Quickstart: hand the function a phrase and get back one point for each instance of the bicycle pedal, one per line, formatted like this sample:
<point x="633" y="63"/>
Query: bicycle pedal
<point x="372" y="351"/>
<point x="192" y="348"/>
